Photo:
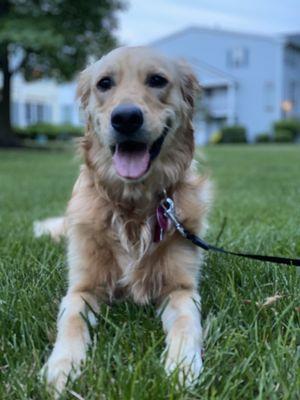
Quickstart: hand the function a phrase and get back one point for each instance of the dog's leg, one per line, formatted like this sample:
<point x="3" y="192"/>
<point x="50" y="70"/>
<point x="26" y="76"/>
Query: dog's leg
<point x="181" y="322"/>
<point x="72" y="338"/>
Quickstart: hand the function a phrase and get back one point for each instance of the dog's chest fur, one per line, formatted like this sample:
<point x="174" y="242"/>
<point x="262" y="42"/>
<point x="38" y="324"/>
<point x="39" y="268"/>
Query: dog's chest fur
<point x="116" y="238"/>
<point x="134" y="240"/>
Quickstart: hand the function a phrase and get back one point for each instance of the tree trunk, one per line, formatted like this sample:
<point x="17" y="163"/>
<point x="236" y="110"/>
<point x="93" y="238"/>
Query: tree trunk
<point x="7" y="137"/>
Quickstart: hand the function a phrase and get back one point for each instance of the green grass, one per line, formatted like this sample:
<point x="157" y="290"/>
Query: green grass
<point x="251" y="352"/>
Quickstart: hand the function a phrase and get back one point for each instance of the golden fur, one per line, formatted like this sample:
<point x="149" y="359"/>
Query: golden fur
<point x="110" y="221"/>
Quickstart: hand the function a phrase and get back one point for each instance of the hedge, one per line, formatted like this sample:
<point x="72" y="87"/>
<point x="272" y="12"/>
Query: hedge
<point x="233" y="134"/>
<point x="291" y="125"/>
<point x="263" y="137"/>
<point x="283" y="136"/>
<point x="52" y="132"/>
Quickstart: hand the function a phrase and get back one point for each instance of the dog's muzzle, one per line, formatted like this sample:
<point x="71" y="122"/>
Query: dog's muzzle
<point x="132" y="152"/>
<point x="133" y="159"/>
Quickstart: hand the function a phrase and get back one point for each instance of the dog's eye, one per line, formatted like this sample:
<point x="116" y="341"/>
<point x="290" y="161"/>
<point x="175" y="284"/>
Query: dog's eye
<point x="156" y="81"/>
<point x="105" y="84"/>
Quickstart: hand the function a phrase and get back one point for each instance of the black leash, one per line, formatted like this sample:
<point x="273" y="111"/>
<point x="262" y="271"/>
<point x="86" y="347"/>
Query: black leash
<point x="169" y="210"/>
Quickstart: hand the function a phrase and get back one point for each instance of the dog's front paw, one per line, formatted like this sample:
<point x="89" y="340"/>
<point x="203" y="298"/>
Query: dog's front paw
<point x="59" y="368"/>
<point x="186" y="359"/>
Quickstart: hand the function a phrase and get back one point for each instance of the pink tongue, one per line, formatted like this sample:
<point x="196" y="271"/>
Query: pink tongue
<point x="131" y="164"/>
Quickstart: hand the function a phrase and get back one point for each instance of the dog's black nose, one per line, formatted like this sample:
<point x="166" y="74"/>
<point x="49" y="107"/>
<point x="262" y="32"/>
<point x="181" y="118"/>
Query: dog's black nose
<point x="127" y="118"/>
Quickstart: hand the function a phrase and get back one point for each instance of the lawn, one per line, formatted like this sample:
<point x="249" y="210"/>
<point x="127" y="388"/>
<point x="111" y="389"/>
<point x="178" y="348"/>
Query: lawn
<point x="251" y="351"/>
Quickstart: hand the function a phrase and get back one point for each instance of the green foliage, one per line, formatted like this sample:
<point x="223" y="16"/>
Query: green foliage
<point x="251" y="351"/>
<point x="52" y="132"/>
<point x="215" y="138"/>
<point x="283" y="136"/>
<point x="263" y="137"/>
<point x="51" y="38"/>
<point x="233" y="134"/>
<point x="56" y="37"/>
<point x="292" y="125"/>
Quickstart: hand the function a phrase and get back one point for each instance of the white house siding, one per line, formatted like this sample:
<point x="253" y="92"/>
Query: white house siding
<point x="43" y="101"/>
<point x="32" y="102"/>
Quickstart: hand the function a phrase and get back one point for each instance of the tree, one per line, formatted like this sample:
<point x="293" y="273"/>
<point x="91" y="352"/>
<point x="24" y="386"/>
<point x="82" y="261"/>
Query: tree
<point x="50" y="38"/>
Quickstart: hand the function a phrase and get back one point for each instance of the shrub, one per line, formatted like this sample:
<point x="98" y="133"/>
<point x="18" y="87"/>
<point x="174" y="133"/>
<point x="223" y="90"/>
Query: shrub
<point x="215" y="138"/>
<point x="283" y="136"/>
<point x="263" y="138"/>
<point x="22" y="133"/>
<point x="51" y="131"/>
<point x="233" y="134"/>
<point x="292" y="125"/>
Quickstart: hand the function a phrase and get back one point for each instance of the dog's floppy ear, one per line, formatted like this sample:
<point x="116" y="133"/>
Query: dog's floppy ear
<point x="84" y="87"/>
<point x="189" y="85"/>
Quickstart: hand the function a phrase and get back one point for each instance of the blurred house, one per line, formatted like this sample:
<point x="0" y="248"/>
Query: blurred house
<point x="247" y="79"/>
<point x="43" y="101"/>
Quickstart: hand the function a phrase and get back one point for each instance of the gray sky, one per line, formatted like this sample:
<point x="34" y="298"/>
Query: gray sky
<point x="147" y="20"/>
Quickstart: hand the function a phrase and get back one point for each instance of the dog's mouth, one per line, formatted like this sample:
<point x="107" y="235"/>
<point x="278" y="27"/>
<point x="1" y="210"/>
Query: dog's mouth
<point x="133" y="159"/>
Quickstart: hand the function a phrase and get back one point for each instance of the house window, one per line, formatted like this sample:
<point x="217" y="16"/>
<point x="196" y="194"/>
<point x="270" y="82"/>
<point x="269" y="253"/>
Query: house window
<point x="238" y="57"/>
<point x="48" y="113"/>
<point x="40" y="113"/>
<point x="28" y="113"/>
<point x="269" y="96"/>
<point x="37" y="112"/>
<point x="66" y="111"/>
<point x="208" y="92"/>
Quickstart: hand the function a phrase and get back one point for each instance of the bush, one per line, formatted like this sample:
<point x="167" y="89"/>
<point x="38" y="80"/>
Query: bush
<point x="283" y="136"/>
<point x="263" y="138"/>
<point x="215" y="137"/>
<point x="291" y="125"/>
<point x="233" y="134"/>
<point x="50" y="131"/>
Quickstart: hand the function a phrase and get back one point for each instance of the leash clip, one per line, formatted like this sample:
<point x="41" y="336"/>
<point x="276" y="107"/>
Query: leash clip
<point x="168" y="206"/>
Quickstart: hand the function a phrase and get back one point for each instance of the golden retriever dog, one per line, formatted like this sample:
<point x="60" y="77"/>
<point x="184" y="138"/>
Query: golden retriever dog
<point x="138" y="147"/>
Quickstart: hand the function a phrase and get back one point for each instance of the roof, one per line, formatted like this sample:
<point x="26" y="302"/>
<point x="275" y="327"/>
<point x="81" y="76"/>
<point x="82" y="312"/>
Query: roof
<point x="208" y="75"/>
<point x="218" y="31"/>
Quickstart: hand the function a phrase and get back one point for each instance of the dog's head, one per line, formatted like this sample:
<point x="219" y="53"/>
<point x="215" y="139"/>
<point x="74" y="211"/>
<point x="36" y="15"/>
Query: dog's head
<point x="139" y="105"/>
